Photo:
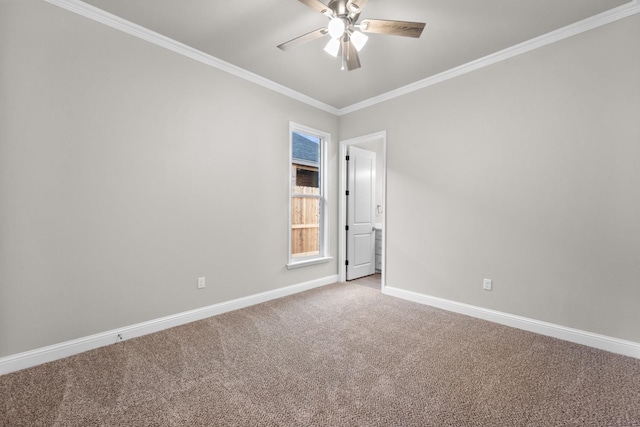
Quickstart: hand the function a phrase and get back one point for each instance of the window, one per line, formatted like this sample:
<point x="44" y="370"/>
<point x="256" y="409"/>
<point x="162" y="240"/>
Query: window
<point x="307" y="213"/>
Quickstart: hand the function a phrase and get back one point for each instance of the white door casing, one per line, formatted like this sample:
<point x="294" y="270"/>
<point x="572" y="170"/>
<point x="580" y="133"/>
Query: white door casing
<point x="361" y="202"/>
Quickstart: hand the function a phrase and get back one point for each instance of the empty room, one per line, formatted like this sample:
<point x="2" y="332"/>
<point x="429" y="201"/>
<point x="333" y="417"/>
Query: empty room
<point x="319" y="212"/>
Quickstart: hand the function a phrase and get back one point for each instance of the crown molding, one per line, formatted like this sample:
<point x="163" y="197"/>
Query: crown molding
<point x="113" y="21"/>
<point x="579" y="27"/>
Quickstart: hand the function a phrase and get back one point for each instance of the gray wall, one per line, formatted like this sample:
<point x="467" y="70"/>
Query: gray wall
<point x="123" y="177"/>
<point x="526" y="172"/>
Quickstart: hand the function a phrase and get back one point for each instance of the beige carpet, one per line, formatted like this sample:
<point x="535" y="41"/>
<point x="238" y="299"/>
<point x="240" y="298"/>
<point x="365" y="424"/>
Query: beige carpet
<point x="342" y="355"/>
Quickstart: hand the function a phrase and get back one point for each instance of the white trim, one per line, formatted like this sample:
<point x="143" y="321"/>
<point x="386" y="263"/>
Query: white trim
<point x="342" y="209"/>
<point x="69" y="348"/>
<point x="554" y="36"/>
<point x="602" y="342"/>
<point x="113" y="21"/>
<point x="306" y="262"/>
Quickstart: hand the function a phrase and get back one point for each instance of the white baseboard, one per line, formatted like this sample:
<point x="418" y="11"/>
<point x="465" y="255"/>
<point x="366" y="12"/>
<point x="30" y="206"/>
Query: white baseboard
<point x="50" y="353"/>
<point x="602" y="342"/>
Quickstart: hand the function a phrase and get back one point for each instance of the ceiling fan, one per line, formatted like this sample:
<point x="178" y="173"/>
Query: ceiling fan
<point x="343" y="29"/>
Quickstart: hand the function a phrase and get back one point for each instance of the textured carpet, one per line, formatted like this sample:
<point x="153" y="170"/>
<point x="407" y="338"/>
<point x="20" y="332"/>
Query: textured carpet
<point x="341" y="355"/>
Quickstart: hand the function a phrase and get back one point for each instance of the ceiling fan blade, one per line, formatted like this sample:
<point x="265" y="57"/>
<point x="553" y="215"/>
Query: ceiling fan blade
<point x="396" y="28"/>
<point x="355" y="6"/>
<point x="349" y="55"/>
<point x="303" y="39"/>
<point x="318" y="6"/>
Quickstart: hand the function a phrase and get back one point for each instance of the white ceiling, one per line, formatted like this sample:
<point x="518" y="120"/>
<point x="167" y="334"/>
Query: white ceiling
<point x="246" y="33"/>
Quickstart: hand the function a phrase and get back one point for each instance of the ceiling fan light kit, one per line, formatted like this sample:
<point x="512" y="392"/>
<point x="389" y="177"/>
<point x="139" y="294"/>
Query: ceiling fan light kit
<point x="359" y="40"/>
<point x="333" y="47"/>
<point x="336" y="27"/>
<point x="342" y="28"/>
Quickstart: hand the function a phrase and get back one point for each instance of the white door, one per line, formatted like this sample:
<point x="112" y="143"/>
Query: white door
<point x="361" y="201"/>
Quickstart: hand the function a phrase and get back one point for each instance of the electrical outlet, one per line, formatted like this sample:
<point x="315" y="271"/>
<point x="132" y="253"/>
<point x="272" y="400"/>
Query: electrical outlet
<point x="200" y="282"/>
<point x="487" y="284"/>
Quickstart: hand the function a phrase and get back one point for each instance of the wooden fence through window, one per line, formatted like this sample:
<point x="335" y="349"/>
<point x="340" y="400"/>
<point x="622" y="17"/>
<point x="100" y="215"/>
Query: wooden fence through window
<point x="305" y="222"/>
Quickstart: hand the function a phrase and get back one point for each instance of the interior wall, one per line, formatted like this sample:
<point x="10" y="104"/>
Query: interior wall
<point x="126" y="172"/>
<point x="526" y="172"/>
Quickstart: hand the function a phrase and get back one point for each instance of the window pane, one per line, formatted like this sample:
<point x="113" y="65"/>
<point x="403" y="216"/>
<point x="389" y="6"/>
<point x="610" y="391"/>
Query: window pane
<point x="305" y="224"/>
<point x="305" y="180"/>
<point x="305" y="161"/>
<point x="306" y="177"/>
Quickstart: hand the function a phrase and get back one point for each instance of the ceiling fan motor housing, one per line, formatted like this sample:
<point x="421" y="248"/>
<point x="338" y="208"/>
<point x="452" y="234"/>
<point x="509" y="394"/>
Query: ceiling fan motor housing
<point x="341" y="9"/>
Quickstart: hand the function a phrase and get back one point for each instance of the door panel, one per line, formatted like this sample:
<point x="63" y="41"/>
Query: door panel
<point x="363" y="193"/>
<point x="362" y="243"/>
<point x="361" y="213"/>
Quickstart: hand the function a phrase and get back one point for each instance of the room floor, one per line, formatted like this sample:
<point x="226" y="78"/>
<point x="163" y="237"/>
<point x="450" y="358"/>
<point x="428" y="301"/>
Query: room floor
<point x="338" y="355"/>
<point x="373" y="281"/>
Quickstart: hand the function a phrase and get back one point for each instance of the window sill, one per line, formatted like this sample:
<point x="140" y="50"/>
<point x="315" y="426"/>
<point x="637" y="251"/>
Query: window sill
<point x="306" y="262"/>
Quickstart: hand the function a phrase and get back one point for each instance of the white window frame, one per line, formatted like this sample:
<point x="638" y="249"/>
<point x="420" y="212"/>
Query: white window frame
<point x="323" y="233"/>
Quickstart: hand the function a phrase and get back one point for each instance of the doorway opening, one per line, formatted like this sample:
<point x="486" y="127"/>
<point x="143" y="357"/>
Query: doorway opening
<point x="373" y="238"/>
<point x="374" y="281"/>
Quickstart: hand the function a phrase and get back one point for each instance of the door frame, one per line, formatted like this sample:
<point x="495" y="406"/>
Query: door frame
<point x="342" y="212"/>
